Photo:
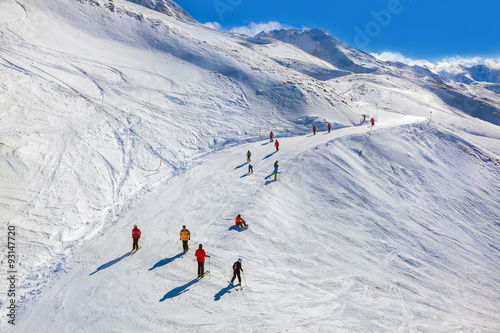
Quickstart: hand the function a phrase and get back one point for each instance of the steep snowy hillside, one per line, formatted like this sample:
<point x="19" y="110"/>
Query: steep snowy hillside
<point x="385" y="228"/>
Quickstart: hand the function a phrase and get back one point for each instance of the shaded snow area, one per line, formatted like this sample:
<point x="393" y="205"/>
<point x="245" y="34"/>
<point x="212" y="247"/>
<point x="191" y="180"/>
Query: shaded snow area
<point x="390" y="228"/>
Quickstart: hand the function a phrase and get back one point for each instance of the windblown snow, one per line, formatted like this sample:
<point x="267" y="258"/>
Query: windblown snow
<point x="390" y="228"/>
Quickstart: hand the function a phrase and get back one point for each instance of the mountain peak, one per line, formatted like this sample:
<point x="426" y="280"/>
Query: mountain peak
<point x="326" y="47"/>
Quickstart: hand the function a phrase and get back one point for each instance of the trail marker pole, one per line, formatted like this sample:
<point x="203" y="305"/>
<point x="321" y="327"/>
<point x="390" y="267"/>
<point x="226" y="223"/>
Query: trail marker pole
<point x="158" y="168"/>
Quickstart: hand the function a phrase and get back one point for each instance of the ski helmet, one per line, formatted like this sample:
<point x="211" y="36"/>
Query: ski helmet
<point x="135" y="225"/>
<point x="183" y="226"/>
<point x="240" y="260"/>
<point x="239" y="215"/>
<point x="200" y="246"/>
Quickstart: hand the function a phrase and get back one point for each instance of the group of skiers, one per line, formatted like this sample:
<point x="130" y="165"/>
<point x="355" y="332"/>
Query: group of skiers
<point x="200" y="253"/>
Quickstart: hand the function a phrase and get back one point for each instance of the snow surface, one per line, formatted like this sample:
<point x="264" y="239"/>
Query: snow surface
<point x="393" y="228"/>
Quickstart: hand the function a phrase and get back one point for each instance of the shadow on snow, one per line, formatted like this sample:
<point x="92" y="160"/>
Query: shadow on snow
<point x="223" y="291"/>
<point x="240" y="166"/>
<point x="274" y="152"/>
<point x="235" y="227"/>
<point x="110" y="263"/>
<point x="166" y="261"/>
<point x="179" y="290"/>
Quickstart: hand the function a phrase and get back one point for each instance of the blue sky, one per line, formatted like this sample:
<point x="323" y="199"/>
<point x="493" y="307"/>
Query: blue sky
<point x="418" y="29"/>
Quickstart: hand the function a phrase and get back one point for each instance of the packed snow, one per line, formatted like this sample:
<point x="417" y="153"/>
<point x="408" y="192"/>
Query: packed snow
<point x="114" y="114"/>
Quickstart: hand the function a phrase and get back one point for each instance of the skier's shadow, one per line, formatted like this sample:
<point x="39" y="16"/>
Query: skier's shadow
<point x="274" y="152"/>
<point x="179" y="290"/>
<point x="240" y="166"/>
<point x="110" y="263"/>
<point x="235" y="227"/>
<point x="166" y="261"/>
<point x="266" y="143"/>
<point x="222" y="292"/>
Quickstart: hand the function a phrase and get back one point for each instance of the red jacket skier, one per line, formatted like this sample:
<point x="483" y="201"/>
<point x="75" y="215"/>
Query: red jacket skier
<point x="314" y="129"/>
<point x="271" y="136"/>
<point x="329" y="127"/>
<point x="200" y="258"/>
<point x="277" y="144"/>
<point x="136" y="234"/>
<point x="373" y="121"/>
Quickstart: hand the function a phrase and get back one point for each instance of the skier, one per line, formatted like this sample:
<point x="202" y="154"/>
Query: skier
<point x="314" y="129"/>
<point x="271" y="136"/>
<point x="240" y="222"/>
<point x="248" y="156"/>
<point x="364" y="118"/>
<point x="250" y="169"/>
<point x="185" y="235"/>
<point x="373" y="121"/>
<point x="277" y="144"/>
<point x="200" y="258"/>
<point x="276" y="170"/>
<point x="329" y="127"/>
<point x="236" y="271"/>
<point x="136" y="234"/>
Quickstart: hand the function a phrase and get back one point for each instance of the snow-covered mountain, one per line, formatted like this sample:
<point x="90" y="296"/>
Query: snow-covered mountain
<point x="327" y="47"/>
<point x="114" y="114"/>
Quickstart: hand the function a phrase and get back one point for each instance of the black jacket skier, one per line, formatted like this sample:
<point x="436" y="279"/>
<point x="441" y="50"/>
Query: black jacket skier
<point x="236" y="270"/>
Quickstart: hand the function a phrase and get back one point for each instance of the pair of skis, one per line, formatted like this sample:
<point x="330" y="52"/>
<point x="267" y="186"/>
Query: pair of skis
<point x="131" y="253"/>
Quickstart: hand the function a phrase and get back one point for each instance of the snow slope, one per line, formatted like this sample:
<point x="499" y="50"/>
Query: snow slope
<point x="391" y="228"/>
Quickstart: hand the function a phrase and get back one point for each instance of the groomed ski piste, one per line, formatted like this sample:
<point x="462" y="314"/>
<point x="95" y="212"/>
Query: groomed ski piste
<point x="390" y="228"/>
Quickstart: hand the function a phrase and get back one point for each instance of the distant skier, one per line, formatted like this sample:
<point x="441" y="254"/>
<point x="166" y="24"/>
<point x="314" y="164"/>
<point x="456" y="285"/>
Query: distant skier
<point x="276" y="170"/>
<point x="240" y="222"/>
<point x="329" y="127"/>
<point x="236" y="271"/>
<point x="271" y="136"/>
<point x="136" y="234"/>
<point x="185" y="236"/>
<point x="200" y="258"/>
<point x="250" y="169"/>
<point x="277" y="145"/>
<point x="372" y="121"/>
<point x="248" y="156"/>
<point x="364" y="118"/>
<point x="314" y="129"/>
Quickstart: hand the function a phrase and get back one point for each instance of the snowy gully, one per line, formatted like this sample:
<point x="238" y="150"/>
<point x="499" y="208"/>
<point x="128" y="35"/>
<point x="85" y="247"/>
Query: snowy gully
<point x="11" y="274"/>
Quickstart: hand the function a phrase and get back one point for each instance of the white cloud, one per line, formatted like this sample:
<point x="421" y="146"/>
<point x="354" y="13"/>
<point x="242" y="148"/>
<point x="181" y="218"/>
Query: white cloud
<point x="213" y="25"/>
<point x="398" y="57"/>
<point x="493" y="63"/>
<point x="452" y="65"/>
<point x="250" y="30"/>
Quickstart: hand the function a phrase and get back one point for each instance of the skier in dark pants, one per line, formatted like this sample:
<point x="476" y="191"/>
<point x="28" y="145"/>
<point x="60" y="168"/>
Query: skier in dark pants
<point x="372" y="121"/>
<point x="314" y="129"/>
<point x="185" y="236"/>
<point x="248" y="156"/>
<point x="277" y="145"/>
<point x="200" y="258"/>
<point x="250" y="169"/>
<point x="276" y="165"/>
<point x="236" y="271"/>
<point x="271" y="136"/>
<point x="329" y="127"/>
<point x="136" y="234"/>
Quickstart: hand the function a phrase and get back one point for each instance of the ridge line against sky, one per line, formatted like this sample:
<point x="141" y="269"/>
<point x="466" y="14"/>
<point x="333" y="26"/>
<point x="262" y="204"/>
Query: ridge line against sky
<point x="458" y="32"/>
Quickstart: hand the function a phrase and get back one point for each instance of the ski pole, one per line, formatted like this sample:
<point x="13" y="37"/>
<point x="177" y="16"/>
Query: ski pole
<point x="244" y="279"/>
<point x="209" y="272"/>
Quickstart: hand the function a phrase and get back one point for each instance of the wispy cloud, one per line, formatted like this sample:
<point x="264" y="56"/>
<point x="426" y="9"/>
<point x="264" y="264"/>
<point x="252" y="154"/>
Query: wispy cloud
<point x="452" y="65"/>
<point x="398" y="57"/>
<point x="252" y="29"/>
